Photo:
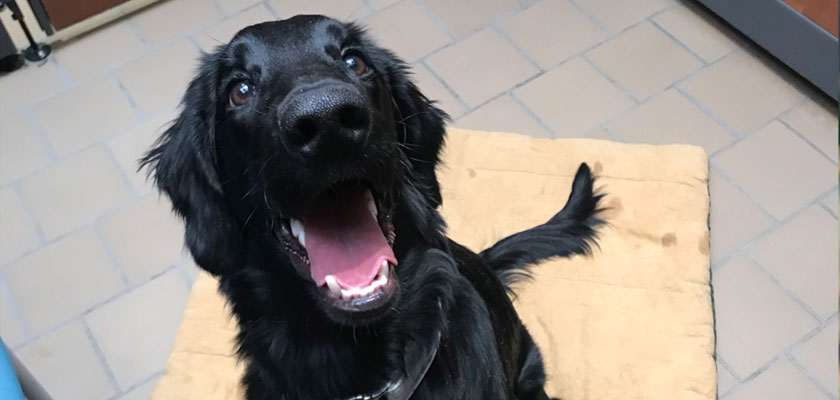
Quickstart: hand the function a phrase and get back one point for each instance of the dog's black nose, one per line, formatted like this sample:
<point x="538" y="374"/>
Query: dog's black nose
<point x="323" y="113"/>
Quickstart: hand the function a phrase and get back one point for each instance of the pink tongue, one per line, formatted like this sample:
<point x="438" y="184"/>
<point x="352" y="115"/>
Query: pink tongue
<point x="344" y="240"/>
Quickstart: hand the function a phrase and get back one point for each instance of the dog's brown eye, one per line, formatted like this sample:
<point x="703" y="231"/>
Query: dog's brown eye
<point x="356" y="64"/>
<point x="241" y="93"/>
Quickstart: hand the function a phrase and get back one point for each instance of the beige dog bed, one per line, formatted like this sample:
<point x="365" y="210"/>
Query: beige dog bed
<point x="634" y="321"/>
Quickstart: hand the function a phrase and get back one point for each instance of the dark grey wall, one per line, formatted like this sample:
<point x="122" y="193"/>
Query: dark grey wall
<point x="791" y="37"/>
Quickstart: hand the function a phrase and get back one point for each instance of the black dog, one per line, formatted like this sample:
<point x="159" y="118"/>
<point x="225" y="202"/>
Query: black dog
<point x="304" y="166"/>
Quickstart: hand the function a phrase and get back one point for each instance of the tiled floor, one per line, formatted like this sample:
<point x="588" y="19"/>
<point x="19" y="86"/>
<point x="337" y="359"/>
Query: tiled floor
<point x="92" y="287"/>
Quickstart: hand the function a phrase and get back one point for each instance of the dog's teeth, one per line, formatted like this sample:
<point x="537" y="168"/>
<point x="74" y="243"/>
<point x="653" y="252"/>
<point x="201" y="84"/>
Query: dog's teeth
<point x="371" y="204"/>
<point x="346" y="294"/>
<point x="297" y="231"/>
<point x="383" y="269"/>
<point x="332" y="284"/>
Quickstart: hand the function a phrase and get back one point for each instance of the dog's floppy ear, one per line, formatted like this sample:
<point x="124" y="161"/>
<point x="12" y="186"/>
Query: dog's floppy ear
<point x="182" y="162"/>
<point x="421" y="127"/>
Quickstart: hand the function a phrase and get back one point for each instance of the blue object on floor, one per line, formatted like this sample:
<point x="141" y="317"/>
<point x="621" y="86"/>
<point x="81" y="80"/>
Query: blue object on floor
<point x="9" y="386"/>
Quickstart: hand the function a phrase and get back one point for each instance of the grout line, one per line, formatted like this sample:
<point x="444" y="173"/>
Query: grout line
<point x="801" y="136"/>
<point x="61" y="72"/>
<point x="679" y="42"/>
<point x="516" y="47"/>
<point x="778" y="224"/>
<point x="112" y="256"/>
<point x="709" y="113"/>
<point x="138" y="114"/>
<point x="137" y="33"/>
<point x="52" y="153"/>
<point x="270" y="9"/>
<point x="103" y="141"/>
<point x="591" y="18"/>
<point x="746" y="135"/>
<point x="786" y="289"/>
<point x="92" y="308"/>
<point x="88" y="224"/>
<point x="100" y="355"/>
<point x="614" y="135"/>
<point x="153" y="377"/>
<point x="371" y="9"/>
<point x="14" y="309"/>
<point x="615" y="83"/>
<point x="439" y="23"/>
<point x="534" y="115"/>
<point x="814" y="381"/>
<point x="740" y="189"/>
<point x="446" y="86"/>
<point x="15" y="190"/>
<point x="829" y="210"/>
<point x="769" y="364"/>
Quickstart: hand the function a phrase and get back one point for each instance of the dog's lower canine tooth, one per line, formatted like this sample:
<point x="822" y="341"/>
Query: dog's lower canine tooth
<point x="332" y="284"/>
<point x="383" y="268"/>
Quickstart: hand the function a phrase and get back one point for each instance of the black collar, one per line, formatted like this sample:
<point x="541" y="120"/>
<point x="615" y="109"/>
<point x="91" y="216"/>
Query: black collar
<point x="415" y="370"/>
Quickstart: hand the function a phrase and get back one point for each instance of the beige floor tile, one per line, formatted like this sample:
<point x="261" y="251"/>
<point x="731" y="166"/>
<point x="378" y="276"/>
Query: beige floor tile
<point x="697" y="29"/>
<point x="782" y="381"/>
<point x="670" y="118"/>
<point x="618" y="15"/>
<point x="552" y="31"/>
<point x="380" y="4"/>
<point x="477" y="82"/>
<point x="141" y="255"/>
<point x="777" y="169"/>
<point x="129" y="147"/>
<point x="17" y="230"/>
<point x="66" y="365"/>
<point x="344" y="10"/>
<point x="503" y="114"/>
<point x="643" y="60"/>
<point x="743" y="91"/>
<point x="29" y="84"/>
<point x="61" y="280"/>
<point x="168" y="20"/>
<point x="99" y="50"/>
<point x="466" y="16"/>
<point x="136" y="330"/>
<point x="432" y="88"/>
<point x="755" y="318"/>
<point x="802" y="255"/>
<point x="224" y="31"/>
<point x="10" y="329"/>
<point x="832" y="203"/>
<point x="735" y="218"/>
<point x="89" y="185"/>
<point x="22" y="151"/>
<point x="573" y="98"/>
<point x="815" y="123"/>
<point x="71" y="124"/>
<point x="725" y="380"/>
<point x="399" y="27"/>
<point x="235" y="6"/>
<point x="819" y="357"/>
<point x="142" y="392"/>
<point x="157" y="81"/>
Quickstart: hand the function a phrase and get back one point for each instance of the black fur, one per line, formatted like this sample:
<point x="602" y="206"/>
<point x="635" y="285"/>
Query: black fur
<point x="232" y="172"/>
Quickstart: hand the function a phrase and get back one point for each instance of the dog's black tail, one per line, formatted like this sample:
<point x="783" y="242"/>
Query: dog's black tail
<point x="571" y="231"/>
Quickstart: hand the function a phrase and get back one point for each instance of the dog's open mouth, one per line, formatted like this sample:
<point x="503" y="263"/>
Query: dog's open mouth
<point x="344" y="244"/>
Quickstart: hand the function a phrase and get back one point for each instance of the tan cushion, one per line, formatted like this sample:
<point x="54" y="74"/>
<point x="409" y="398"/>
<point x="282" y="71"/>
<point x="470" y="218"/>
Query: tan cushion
<point x="634" y="321"/>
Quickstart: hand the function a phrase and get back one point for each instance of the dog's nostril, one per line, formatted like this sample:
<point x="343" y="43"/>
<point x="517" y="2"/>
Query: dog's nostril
<point x="306" y="127"/>
<point x="353" y="117"/>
